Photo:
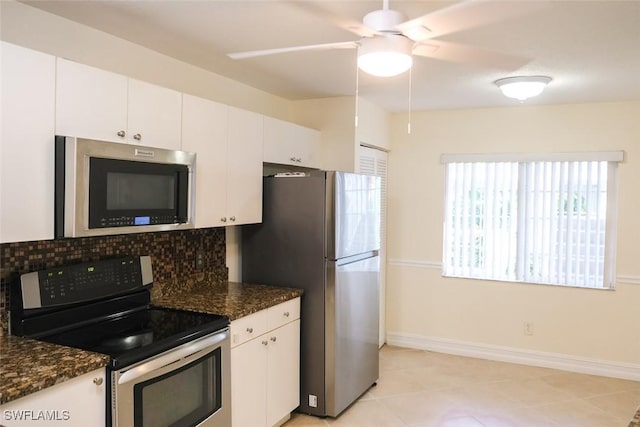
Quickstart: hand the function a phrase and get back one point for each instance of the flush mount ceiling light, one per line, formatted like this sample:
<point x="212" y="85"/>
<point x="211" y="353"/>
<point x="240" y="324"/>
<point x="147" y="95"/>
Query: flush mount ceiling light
<point x="522" y="87"/>
<point x="385" y="56"/>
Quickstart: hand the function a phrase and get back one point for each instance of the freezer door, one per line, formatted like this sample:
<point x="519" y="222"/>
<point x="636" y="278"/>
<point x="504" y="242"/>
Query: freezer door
<point x="351" y="363"/>
<point x="353" y="214"/>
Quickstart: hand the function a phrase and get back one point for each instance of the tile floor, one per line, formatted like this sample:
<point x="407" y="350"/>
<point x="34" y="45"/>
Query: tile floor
<point x="426" y="389"/>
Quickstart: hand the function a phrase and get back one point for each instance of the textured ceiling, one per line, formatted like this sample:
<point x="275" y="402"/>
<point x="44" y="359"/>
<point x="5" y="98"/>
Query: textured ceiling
<point x="591" y="49"/>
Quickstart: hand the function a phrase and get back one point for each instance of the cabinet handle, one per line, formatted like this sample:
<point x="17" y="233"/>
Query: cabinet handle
<point x="137" y="137"/>
<point x="223" y="219"/>
<point x="286" y="314"/>
<point x="273" y="339"/>
<point x="250" y="330"/>
<point x="265" y="342"/>
<point x="121" y="134"/>
<point x="97" y="380"/>
<point x="299" y="160"/>
<point x="233" y="218"/>
<point x="293" y="159"/>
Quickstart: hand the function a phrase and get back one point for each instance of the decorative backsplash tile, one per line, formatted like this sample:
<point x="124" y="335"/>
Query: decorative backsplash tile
<point x="173" y="255"/>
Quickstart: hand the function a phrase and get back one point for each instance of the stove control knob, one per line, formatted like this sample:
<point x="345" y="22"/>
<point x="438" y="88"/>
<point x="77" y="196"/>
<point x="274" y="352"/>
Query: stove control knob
<point x="97" y="380"/>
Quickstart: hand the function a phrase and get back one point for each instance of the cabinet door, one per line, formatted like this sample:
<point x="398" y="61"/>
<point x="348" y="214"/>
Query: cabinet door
<point x="205" y="132"/>
<point x="308" y="146"/>
<point x="26" y="152"/>
<point x="248" y="383"/>
<point x="244" y="167"/>
<point x="283" y="371"/>
<point x="154" y="115"/>
<point x="79" y="401"/>
<point x="90" y="103"/>
<point x="290" y="144"/>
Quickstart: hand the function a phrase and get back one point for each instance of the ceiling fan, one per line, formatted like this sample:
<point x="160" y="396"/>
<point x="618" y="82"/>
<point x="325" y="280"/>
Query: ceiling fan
<point x="388" y="40"/>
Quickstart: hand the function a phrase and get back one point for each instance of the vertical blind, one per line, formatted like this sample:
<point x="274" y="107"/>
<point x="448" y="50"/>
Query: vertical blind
<point x="546" y="222"/>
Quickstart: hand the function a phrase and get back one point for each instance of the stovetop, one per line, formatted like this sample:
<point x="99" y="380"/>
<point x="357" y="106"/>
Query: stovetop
<point x="104" y="307"/>
<point x="133" y="337"/>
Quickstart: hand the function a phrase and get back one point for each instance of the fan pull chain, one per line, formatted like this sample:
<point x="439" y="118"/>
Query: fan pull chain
<point x="357" y="90"/>
<point x="409" y="120"/>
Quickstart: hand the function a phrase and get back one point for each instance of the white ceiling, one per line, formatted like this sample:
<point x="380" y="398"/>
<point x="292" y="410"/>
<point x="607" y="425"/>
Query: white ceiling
<point x="591" y="49"/>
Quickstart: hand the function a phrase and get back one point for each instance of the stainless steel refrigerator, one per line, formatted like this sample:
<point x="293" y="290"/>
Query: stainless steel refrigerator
<point x="321" y="233"/>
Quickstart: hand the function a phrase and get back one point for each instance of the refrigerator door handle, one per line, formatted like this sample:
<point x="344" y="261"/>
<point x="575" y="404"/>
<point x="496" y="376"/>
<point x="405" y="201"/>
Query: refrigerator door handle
<point x="355" y="258"/>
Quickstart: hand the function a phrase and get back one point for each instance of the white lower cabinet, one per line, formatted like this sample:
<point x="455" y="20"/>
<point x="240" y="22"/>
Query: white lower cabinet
<point x="265" y="366"/>
<point x="80" y="401"/>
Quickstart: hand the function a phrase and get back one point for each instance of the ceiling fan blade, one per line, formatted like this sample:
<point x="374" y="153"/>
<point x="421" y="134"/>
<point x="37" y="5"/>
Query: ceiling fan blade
<point x="351" y="25"/>
<point x="466" y="15"/>
<point x="265" y="52"/>
<point x="455" y="52"/>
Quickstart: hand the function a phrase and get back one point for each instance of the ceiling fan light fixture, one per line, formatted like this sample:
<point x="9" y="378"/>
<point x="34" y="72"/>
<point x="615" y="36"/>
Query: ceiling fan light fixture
<point x="522" y="87"/>
<point x="385" y="56"/>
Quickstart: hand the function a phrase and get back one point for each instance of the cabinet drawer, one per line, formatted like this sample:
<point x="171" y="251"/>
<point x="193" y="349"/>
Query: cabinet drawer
<point x="284" y="313"/>
<point x="248" y="327"/>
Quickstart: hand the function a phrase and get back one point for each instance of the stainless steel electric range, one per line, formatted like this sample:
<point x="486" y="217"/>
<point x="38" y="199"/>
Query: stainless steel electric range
<point x="167" y="367"/>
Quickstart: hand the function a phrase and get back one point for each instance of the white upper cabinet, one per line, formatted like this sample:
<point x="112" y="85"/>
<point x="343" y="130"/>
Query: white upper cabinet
<point x="155" y="115"/>
<point x="26" y="152"/>
<point x="228" y="143"/>
<point x="98" y="104"/>
<point x="244" y="167"/>
<point x="205" y="132"/>
<point x="291" y="144"/>
<point x="90" y="103"/>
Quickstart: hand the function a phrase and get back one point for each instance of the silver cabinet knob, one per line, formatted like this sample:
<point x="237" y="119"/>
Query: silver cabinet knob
<point x="273" y="339"/>
<point x="250" y="330"/>
<point x="98" y="380"/>
<point x="265" y="342"/>
<point x="286" y="314"/>
<point x="233" y="218"/>
<point x="223" y="219"/>
<point x="137" y="137"/>
<point x="121" y="134"/>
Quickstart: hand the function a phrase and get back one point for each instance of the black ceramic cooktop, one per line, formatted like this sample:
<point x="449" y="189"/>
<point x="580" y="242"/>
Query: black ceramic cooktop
<point x="130" y="338"/>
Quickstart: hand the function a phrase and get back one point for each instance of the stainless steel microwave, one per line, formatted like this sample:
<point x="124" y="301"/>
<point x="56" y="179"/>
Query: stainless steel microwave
<point x="111" y="188"/>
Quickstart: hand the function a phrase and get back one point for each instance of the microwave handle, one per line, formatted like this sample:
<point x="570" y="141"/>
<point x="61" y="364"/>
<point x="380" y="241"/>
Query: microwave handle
<point x="173" y="356"/>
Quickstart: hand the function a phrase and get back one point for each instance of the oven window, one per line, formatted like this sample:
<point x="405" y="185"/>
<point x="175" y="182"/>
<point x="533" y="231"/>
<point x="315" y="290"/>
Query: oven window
<point x="140" y="191"/>
<point x="180" y="398"/>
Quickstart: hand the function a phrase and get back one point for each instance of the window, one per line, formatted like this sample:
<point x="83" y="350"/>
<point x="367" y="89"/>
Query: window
<point x="538" y="219"/>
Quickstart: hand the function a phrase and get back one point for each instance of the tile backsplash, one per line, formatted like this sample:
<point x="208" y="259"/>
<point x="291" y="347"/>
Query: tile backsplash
<point x="173" y="255"/>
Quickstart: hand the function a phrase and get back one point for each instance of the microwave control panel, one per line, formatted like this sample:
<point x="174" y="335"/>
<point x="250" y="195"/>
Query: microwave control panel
<point x="130" y="221"/>
<point x="84" y="282"/>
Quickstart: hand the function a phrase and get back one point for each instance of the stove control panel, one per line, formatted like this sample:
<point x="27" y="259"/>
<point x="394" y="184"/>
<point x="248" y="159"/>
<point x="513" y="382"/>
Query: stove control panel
<point x="84" y="282"/>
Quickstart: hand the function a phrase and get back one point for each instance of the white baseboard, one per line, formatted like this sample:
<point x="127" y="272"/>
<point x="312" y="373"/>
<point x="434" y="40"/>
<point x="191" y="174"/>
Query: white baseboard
<point x="563" y="362"/>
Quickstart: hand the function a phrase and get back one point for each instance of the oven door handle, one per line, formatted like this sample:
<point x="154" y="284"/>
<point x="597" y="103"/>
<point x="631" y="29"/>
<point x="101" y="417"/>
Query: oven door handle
<point x="174" y="356"/>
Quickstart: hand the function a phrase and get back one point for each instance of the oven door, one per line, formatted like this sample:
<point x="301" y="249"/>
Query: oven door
<point x="186" y="386"/>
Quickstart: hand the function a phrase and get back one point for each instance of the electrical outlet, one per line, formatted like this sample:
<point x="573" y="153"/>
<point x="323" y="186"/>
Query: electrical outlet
<point x="313" y="400"/>
<point x="528" y="328"/>
<point x="199" y="259"/>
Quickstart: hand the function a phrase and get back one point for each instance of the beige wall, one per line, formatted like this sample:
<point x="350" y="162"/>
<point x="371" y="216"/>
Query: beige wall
<point x="30" y="27"/>
<point x="335" y="117"/>
<point x="583" y="323"/>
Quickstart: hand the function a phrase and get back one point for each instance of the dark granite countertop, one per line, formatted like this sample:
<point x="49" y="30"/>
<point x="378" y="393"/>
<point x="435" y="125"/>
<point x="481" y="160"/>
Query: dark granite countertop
<point x="231" y="299"/>
<point x="28" y="366"/>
